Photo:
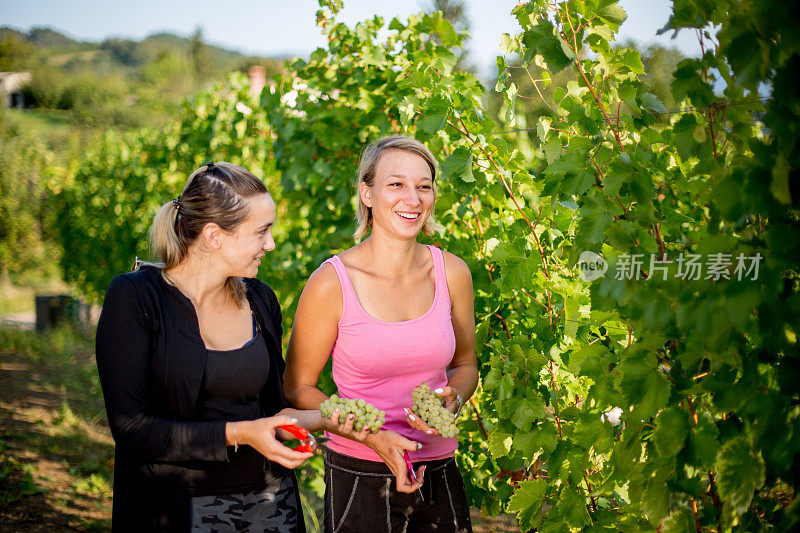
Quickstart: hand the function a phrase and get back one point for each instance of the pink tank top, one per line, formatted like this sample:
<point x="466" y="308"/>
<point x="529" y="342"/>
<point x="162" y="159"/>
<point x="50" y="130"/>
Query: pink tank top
<point x="382" y="362"/>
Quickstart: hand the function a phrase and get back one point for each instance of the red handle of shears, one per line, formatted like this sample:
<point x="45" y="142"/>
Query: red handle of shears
<point x="301" y="434"/>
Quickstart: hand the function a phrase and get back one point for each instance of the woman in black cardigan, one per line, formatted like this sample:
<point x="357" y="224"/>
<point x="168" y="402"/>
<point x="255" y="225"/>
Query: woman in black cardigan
<point x="189" y="357"/>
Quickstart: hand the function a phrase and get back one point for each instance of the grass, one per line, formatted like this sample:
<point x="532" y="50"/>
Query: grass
<point x="55" y="127"/>
<point x="55" y="448"/>
<point x="16" y="299"/>
<point x="44" y="122"/>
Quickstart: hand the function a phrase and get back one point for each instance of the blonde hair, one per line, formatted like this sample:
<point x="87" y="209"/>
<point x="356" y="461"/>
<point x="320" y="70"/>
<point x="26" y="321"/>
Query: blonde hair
<point x="366" y="174"/>
<point x="216" y="192"/>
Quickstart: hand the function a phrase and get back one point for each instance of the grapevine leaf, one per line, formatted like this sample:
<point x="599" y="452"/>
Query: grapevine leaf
<point x="541" y="39"/>
<point x="523" y="416"/>
<point x="672" y="426"/>
<point x="507" y="253"/>
<point x="459" y="164"/>
<point x="542" y="127"/>
<point x="318" y="56"/>
<point x="586" y="355"/>
<point x="587" y="432"/>
<point x="552" y="150"/>
<point x="658" y="392"/>
<point x="511" y="96"/>
<point x="679" y="521"/>
<point x="651" y="102"/>
<point x="527" y="503"/>
<point x="406" y="111"/>
<point x="746" y="59"/>
<point x="627" y="91"/>
<point x="499" y="443"/>
<point x="656" y="495"/>
<point x="570" y="508"/>
<point x="703" y="443"/>
<point x="542" y="438"/>
<point x="571" y="315"/>
<point x="435" y="115"/>
<point x="628" y="59"/>
<point x="595" y="216"/>
<point x="687" y="82"/>
<point x="613" y="14"/>
<point x="740" y="472"/>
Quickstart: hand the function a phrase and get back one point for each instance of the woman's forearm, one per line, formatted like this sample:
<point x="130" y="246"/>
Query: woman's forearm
<point x="305" y="397"/>
<point x="464" y="379"/>
<point x="310" y="419"/>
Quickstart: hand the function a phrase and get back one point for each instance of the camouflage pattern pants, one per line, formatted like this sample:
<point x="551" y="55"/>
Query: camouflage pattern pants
<point x="271" y="509"/>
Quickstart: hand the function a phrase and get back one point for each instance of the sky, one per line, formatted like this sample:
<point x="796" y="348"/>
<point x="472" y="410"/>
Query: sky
<point x="281" y="27"/>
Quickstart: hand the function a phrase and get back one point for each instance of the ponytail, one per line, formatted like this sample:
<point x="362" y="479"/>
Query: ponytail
<point x="165" y="244"/>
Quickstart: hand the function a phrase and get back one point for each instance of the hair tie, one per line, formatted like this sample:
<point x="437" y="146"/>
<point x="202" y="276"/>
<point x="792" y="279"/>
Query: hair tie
<point x="177" y="203"/>
<point x="209" y="165"/>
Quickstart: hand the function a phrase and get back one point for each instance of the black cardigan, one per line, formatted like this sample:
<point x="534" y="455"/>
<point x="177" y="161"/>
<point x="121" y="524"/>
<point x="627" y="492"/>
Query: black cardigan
<point x="151" y="361"/>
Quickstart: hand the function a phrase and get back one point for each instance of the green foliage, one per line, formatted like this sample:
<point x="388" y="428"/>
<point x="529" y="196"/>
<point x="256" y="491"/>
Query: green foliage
<point x="626" y="403"/>
<point x="15" y="53"/>
<point x="105" y="202"/>
<point x="198" y="51"/>
<point x="25" y="253"/>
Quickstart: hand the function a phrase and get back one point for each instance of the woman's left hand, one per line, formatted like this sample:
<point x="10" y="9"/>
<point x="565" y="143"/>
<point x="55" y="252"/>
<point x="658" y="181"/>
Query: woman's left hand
<point x="449" y="397"/>
<point x="450" y="402"/>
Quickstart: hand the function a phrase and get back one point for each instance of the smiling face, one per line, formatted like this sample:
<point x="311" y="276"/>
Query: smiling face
<point x="401" y="196"/>
<point x="243" y="249"/>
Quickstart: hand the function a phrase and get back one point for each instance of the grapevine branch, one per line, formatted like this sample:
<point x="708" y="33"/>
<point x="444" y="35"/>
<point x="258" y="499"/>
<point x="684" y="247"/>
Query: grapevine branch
<point x="501" y="174"/>
<point x="556" y="411"/>
<point x="479" y="418"/>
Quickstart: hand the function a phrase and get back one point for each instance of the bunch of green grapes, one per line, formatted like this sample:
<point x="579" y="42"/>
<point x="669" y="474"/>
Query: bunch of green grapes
<point x="366" y="414"/>
<point x="429" y="408"/>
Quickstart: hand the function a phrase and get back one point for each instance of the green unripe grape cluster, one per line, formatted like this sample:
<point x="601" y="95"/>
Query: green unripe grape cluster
<point x="366" y="414"/>
<point x="429" y="408"/>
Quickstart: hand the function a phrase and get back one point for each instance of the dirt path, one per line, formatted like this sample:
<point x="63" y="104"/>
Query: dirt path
<point x="40" y="438"/>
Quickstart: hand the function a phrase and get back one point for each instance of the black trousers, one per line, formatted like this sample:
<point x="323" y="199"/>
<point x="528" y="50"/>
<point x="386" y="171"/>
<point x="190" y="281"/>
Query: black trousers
<point x="360" y="497"/>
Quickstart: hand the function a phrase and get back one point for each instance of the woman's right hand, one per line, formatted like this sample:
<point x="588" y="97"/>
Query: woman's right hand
<point x="346" y="429"/>
<point x="390" y="445"/>
<point x="260" y="435"/>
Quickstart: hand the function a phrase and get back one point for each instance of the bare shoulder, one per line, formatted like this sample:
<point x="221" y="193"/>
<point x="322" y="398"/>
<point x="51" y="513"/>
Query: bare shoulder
<point x="456" y="268"/>
<point x="323" y="284"/>
<point x="353" y="258"/>
<point x="457" y="271"/>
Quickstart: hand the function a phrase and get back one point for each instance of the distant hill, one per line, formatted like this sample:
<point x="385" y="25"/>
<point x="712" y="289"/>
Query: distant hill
<point x="42" y="37"/>
<point x="70" y="54"/>
<point x="122" y="83"/>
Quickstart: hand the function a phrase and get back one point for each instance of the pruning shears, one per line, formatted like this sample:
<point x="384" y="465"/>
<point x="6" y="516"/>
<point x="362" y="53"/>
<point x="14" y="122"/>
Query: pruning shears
<point x="411" y="472"/>
<point x="307" y="441"/>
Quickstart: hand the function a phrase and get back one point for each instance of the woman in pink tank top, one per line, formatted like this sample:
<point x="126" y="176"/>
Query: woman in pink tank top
<point x="392" y="314"/>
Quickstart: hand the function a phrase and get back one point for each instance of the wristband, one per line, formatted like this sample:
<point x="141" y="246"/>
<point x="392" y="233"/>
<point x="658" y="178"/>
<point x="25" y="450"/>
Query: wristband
<point x="460" y="405"/>
<point x="235" y="442"/>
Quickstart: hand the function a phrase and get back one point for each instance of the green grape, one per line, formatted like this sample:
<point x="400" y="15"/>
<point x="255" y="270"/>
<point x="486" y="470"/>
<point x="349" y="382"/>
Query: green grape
<point x="429" y="408"/>
<point x="364" y="413"/>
